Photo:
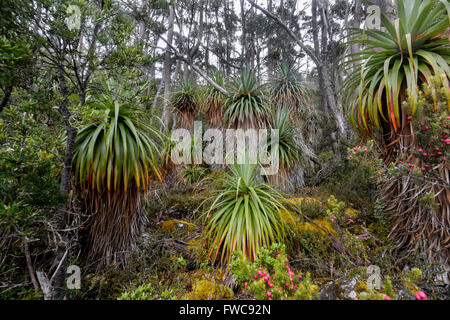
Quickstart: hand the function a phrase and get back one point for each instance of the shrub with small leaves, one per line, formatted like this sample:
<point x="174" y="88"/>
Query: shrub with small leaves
<point x="270" y="276"/>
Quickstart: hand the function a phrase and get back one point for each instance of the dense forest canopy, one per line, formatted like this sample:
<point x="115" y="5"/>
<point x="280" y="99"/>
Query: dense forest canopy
<point x="100" y="99"/>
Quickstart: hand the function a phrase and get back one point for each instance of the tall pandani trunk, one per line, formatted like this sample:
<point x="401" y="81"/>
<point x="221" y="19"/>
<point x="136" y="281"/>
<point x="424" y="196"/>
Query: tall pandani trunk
<point x="186" y="119"/>
<point x="116" y="220"/>
<point x="282" y="180"/>
<point x="215" y="115"/>
<point x="419" y="206"/>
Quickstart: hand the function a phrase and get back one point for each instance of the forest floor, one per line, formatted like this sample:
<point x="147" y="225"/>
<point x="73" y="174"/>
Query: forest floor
<point x="172" y="262"/>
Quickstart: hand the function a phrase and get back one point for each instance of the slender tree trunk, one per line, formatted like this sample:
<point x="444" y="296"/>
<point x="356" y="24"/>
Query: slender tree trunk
<point x="243" y="35"/>
<point x="64" y="246"/>
<point x="5" y="99"/>
<point x="167" y="69"/>
<point x="324" y="75"/>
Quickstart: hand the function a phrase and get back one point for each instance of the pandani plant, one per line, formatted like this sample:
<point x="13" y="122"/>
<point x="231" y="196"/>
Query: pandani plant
<point x="247" y="107"/>
<point x="213" y="102"/>
<point x="114" y="160"/>
<point x="244" y="215"/>
<point x="288" y="91"/>
<point x="287" y="150"/>
<point x="394" y="64"/>
<point x="185" y="100"/>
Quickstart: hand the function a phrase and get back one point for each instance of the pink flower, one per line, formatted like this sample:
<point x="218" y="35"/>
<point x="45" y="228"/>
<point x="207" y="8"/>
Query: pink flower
<point x="355" y="148"/>
<point x="409" y="118"/>
<point x="427" y="128"/>
<point x="269" y="299"/>
<point x="422" y="295"/>
<point x="245" y="284"/>
<point x="365" y="150"/>
<point x="424" y="154"/>
<point x="355" y="298"/>
<point x="290" y="279"/>
<point x="270" y="285"/>
<point x="437" y="149"/>
<point x="387" y="298"/>
<point x="420" y="150"/>
<point x="256" y="276"/>
<point x="287" y="284"/>
<point x="268" y="293"/>
<point x="292" y="287"/>
<point x="417" y="297"/>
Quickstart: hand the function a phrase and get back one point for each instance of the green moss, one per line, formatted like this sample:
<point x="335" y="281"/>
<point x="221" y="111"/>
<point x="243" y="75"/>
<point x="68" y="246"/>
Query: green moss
<point x="170" y="225"/>
<point x="209" y="289"/>
<point x="361" y="286"/>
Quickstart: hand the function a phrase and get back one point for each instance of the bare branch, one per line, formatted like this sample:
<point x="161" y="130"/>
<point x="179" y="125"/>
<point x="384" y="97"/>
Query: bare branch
<point x="194" y="67"/>
<point x="289" y="31"/>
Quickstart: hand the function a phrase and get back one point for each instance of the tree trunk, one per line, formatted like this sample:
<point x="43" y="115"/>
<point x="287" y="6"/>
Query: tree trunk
<point x="167" y="69"/>
<point x="63" y="246"/>
<point x="322" y="67"/>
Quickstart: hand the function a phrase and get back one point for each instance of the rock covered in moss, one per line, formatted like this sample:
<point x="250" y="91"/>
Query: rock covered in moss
<point x="209" y="289"/>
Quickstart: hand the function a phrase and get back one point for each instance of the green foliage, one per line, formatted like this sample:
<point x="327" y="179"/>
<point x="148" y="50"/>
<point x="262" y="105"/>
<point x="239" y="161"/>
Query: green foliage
<point x="148" y="292"/>
<point x="209" y="289"/>
<point x="270" y="277"/>
<point x="14" y="55"/>
<point x="335" y="207"/>
<point x="287" y="91"/>
<point x="29" y="195"/>
<point x="431" y="126"/>
<point x="194" y="174"/>
<point x="244" y="215"/>
<point x="185" y="100"/>
<point x="410" y="50"/>
<point x="247" y="106"/>
<point x="312" y="208"/>
<point x="356" y="180"/>
<point x="116" y="152"/>
<point x="114" y="158"/>
<point x="288" y="150"/>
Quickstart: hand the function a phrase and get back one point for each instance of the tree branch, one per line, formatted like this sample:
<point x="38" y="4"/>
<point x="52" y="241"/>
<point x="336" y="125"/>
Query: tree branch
<point x="194" y="67"/>
<point x="289" y="31"/>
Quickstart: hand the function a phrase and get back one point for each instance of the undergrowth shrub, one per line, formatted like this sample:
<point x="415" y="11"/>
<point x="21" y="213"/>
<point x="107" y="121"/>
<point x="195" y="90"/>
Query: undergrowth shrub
<point x="270" y="276"/>
<point x="355" y="181"/>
